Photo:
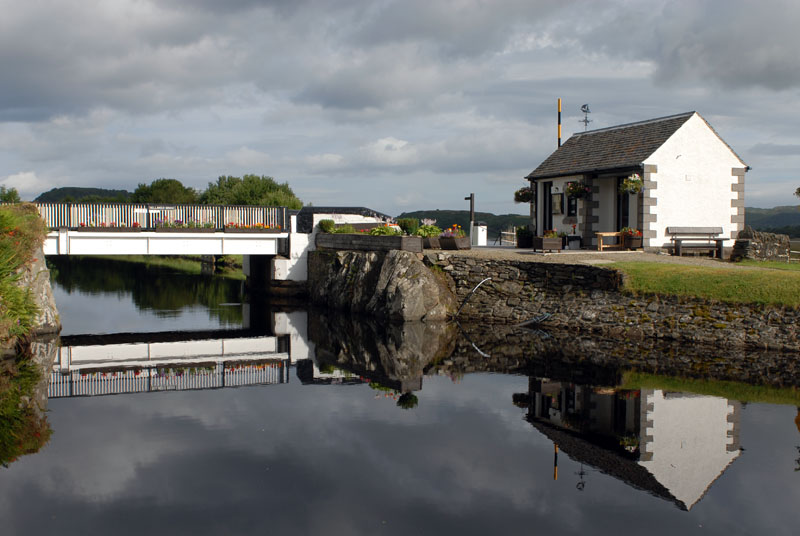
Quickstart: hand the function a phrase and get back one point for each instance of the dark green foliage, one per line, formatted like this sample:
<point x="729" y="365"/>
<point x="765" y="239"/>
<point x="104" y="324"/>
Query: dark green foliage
<point x="9" y="195"/>
<point x="250" y="190"/>
<point x="407" y="401"/>
<point x="22" y="429"/>
<point x="446" y="218"/>
<point x="524" y="232"/>
<point x="762" y="219"/>
<point x="408" y="225"/>
<point x="72" y="194"/>
<point x="164" y="191"/>
<point x="327" y="226"/>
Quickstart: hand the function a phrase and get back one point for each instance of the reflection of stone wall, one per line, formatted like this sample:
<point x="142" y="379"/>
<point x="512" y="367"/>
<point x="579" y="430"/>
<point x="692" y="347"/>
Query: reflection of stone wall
<point x="752" y="244"/>
<point x="587" y="299"/>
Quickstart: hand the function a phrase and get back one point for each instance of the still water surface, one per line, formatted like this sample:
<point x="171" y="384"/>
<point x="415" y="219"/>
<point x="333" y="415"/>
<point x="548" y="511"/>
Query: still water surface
<point x="327" y="445"/>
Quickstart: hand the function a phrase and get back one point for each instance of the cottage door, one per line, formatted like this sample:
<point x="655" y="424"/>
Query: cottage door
<point x="547" y="206"/>
<point x="623" y="206"/>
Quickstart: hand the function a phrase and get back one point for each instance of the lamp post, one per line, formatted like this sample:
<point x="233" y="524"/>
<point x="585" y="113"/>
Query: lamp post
<point x="471" y="199"/>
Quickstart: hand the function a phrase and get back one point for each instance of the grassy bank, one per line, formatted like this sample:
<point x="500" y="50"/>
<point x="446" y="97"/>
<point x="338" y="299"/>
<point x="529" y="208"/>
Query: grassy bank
<point x="762" y="283"/>
<point x="730" y="390"/>
<point x="193" y="265"/>
<point x="21" y="234"/>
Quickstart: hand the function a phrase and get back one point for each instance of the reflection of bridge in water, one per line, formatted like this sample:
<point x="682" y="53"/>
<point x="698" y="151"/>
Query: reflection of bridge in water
<point x="138" y="363"/>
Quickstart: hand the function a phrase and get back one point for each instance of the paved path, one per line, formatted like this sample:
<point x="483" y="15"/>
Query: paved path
<point x="593" y="257"/>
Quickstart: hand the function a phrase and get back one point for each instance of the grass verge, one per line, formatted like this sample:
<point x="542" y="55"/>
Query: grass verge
<point x="723" y="389"/>
<point x="759" y="285"/>
<point x="22" y="232"/>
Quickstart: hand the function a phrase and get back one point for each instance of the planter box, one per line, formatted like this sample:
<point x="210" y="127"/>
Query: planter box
<point x="525" y="242"/>
<point x="251" y="230"/>
<point x="362" y="242"/>
<point x="185" y="230"/>
<point x="109" y="229"/>
<point x="633" y="242"/>
<point x="431" y="243"/>
<point x="548" y="244"/>
<point x="451" y="242"/>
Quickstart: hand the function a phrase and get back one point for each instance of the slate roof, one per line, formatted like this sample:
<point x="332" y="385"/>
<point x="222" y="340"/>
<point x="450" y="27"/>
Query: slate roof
<point x="619" y="147"/>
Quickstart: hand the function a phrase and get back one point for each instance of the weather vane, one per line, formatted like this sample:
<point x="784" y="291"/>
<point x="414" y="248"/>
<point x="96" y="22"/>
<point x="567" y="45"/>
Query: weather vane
<point x="586" y="111"/>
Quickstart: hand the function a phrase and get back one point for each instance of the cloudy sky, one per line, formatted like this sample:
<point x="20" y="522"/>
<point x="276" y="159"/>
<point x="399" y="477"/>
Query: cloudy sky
<point x="394" y="105"/>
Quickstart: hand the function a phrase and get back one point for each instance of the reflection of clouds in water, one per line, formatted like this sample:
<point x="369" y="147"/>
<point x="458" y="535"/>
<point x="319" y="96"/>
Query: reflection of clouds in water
<point x="296" y="458"/>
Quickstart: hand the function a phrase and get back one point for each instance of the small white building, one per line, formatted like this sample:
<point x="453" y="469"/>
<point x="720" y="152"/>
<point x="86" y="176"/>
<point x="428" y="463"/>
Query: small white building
<point x="688" y="177"/>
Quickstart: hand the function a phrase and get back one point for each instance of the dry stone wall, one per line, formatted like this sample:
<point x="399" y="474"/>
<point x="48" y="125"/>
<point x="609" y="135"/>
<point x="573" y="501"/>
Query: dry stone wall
<point x="751" y="244"/>
<point x="589" y="299"/>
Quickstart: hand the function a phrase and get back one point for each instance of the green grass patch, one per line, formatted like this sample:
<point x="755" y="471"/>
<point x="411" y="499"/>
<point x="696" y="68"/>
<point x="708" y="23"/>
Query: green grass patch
<point x="771" y="265"/>
<point x="733" y="284"/>
<point x="723" y="389"/>
<point x="22" y="232"/>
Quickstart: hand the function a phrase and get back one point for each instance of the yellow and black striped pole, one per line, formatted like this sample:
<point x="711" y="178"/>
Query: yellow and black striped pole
<point x="559" y="122"/>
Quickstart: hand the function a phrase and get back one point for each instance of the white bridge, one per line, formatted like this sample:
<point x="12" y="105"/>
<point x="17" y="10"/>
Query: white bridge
<point x="146" y="229"/>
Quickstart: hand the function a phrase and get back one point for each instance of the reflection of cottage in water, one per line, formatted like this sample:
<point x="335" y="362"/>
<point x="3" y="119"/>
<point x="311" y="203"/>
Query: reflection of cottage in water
<point x="672" y="445"/>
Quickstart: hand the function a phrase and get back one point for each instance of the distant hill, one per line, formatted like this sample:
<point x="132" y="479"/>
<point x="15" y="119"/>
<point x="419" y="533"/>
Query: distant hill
<point x="783" y="220"/>
<point x="446" y="218"/>
<point x="72" y="194"/>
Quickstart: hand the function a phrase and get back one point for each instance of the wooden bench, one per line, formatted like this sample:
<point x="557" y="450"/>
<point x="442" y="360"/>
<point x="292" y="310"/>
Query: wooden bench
<point x="601" y="236"/>
<point x="702" y="238"/>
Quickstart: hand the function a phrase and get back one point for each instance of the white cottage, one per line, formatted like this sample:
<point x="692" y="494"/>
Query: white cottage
<point x="688" y="177"/>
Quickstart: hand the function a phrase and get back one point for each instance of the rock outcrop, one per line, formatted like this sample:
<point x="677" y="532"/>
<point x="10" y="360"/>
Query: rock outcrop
<point x="392" y="285"/>
<point x="37" y="277"/>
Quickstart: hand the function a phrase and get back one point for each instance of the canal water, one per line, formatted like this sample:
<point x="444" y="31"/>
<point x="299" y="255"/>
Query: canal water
<point x="176" y="408"/>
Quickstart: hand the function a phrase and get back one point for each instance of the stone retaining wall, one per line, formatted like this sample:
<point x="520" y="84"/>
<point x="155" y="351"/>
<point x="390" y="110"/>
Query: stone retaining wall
<point x="584" y="298"/>
<point x="751" y="244"/>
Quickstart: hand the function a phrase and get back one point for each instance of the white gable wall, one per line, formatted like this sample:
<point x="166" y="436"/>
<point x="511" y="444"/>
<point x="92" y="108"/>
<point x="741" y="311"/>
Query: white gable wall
<point x="693" y="181"/>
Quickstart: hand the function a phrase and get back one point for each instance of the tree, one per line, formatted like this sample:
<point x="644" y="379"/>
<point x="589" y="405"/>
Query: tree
<point x="250" y="190"/>
<point x="164" y="191"/>
<point x="9" y="195"/>
<point x="797" y="192"/>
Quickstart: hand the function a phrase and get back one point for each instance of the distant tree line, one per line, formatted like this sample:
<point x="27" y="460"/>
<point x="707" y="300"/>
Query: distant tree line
<point x="227" y="190"/>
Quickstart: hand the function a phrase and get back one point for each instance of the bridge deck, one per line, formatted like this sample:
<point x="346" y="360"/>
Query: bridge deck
<point x="75" y="242"/>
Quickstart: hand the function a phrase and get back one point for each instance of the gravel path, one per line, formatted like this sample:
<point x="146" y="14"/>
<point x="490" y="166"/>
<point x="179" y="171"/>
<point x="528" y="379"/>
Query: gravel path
<point x="591" y="257"/>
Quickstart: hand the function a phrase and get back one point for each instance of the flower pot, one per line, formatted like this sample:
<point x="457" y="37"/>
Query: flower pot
<point x="185" y="229"/>
<point x="454" y="242"/>
<point x="431" y="242"/>
<point x="250" y="230"/>
<point x="633" y="242"/>
<point x="109" y="229"/>
<point x="525" y="241"/>
<point x="548" y="244"/>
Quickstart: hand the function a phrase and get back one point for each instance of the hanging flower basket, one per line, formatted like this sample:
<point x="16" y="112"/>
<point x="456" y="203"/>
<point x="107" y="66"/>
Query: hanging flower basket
<point x="578" y="190"/>
<point x="632" y="184"/>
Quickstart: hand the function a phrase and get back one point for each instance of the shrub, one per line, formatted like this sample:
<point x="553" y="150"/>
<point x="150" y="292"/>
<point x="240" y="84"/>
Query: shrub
<point x="408" y="225"/>
<point x="428" y="231"/>
<point x="327" y="226"/>
<point x="524" y="232"/>
<point x="384" y="231"/>
<point x="344" y="229"/>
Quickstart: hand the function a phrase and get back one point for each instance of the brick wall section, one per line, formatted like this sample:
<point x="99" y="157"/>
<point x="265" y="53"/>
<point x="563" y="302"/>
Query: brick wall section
<point x="589" y="299"/>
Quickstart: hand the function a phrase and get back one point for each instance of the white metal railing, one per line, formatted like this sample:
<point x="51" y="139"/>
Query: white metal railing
<point x="165" y="378"/>
<point x="149" y="216"/>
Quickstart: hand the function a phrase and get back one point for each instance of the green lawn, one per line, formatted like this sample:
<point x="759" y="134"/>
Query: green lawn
<point x="723" y="389"/>
<point x="754" y="283"/>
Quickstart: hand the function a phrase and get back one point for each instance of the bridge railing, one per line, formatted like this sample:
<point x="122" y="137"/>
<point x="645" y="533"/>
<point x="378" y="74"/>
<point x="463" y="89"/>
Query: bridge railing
<point x="149" y="216"/>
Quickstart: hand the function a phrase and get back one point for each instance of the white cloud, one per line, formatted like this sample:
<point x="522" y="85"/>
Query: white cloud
<point x="26" y="183"/>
